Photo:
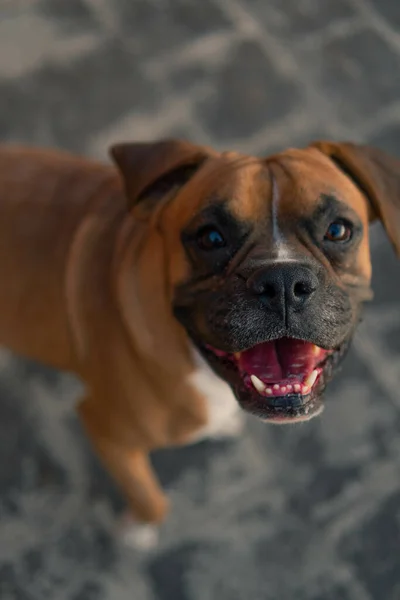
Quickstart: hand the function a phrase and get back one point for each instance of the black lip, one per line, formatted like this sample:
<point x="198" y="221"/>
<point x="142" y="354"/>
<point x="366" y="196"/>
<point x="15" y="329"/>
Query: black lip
<point x="281" y="407"/>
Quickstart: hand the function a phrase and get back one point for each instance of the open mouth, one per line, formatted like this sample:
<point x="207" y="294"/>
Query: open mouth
<point x="279" y="380"/>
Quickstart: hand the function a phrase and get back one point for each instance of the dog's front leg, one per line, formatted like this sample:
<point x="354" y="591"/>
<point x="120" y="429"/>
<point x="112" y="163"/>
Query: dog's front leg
<point x="132" y="471"/>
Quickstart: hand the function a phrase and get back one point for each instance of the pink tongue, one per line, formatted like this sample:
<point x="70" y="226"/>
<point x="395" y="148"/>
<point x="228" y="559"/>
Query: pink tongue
<point x="279" y="360"/>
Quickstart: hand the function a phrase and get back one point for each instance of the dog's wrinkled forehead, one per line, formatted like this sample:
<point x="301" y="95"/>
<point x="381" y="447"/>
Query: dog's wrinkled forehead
<point x="275" y="189"/>
<point x="304" y="176"/>
<point x="278" y="190"/>
<point x="299" y="180"/>
<point x="240" y="183"/>
<point x="274" y="198"/>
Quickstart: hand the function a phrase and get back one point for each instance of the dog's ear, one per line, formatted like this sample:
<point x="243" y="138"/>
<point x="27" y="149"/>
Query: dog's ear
<point x="154" y="168"/>
<point x="377" y="175"/>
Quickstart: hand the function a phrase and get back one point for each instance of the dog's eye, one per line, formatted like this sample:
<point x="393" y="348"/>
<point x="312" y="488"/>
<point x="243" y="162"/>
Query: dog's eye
<point x="338" y="231"/>
<point x="210" y="238"/>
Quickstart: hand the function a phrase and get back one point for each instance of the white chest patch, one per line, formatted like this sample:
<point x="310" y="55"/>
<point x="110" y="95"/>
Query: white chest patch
<point x="225" y="415"/>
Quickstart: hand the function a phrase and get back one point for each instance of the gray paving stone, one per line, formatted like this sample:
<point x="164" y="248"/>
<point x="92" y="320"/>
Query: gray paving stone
<point x="26" y="464"/>
<point x="157" y="26"/>
<point x="246" y="94"/>
<point x="191" y="76"/>
<point x="69" y="17"/>
<point x="43" y="105"/>
<point x="358" y="74"/>
<point x="9" y="586"/>
<point x="329" y="590"/>
<point x="82" y="545"/>
<point x="168" y="572"/>
<point x="393" y="340"/>
<point x="372" y="549"/>
<point x="299" y="18"/>
<point x="89" y="591"/>
<point x="389" y="10"/>
<point x="386" y="288"/>
<point x="387" y="138"/>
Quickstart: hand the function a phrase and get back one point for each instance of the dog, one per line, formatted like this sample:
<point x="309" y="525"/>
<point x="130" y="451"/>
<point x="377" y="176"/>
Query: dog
<point x="179" y="280"/>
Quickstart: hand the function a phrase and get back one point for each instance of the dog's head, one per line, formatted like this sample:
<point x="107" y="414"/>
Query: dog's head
<point x="267" y="261"/>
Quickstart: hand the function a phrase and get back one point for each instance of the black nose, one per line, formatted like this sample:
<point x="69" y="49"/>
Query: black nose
<point x="284" y="286"/>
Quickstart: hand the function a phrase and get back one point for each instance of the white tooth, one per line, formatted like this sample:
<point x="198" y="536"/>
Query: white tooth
<point x="297" y="387"/>
<point x="258" y="384"/>
<point x="289" y="388"/>
<point x="268" y="391"/>
<point x="311" y="379"/>
<point x="276" y="387"/>
<point x="316" y="350"/>
<point x="305" y="390"/>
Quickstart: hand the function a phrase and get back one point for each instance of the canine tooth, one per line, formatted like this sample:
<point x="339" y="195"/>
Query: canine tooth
<point x="304" y="390"/>
<point x="276" y="387"/>
<point x="268" y="391"/>
<point x="311" y="379"/>
<point x="258" y="384"/>
<point x="237" y="355"/>
<point x="297" y="387"/>
<point x="316" y="350"/>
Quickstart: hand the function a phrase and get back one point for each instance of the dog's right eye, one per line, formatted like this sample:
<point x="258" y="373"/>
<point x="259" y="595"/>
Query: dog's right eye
<point x="209" y="238"/>
<point x="338" y="231"/>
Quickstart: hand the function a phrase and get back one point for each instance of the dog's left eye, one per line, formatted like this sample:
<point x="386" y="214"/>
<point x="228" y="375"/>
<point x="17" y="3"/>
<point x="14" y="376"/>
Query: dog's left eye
<point x="338" y="231"/>
<point x="210" y="238"/>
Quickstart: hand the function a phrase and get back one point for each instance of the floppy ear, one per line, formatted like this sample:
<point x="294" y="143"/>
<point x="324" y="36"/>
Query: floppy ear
<point x="377" y="175"/>
<point x="154" y="168"/>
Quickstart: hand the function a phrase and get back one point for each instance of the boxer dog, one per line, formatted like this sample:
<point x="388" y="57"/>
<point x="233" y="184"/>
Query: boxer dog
<point x="183" y="278"/>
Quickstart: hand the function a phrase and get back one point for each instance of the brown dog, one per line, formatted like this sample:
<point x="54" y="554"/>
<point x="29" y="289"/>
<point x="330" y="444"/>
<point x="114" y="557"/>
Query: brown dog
<point x="140" y="278"/>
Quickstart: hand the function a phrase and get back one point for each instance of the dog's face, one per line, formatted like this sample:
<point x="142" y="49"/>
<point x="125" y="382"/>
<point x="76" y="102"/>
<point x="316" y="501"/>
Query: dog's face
<point x="268" y="267"/>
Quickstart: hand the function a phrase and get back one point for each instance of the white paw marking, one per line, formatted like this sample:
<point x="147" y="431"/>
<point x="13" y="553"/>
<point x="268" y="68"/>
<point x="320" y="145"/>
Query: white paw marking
<point x="137" y="535"/>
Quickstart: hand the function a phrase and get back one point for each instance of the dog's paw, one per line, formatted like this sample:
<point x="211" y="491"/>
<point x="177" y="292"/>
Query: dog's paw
<point x="139" y="536"/>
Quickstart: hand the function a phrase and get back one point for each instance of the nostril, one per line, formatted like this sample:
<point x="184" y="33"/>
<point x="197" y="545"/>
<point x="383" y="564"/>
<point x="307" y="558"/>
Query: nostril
<point x="303" y="288"/>
<point x="263" y="288"/>
<point x="269" y="291"/>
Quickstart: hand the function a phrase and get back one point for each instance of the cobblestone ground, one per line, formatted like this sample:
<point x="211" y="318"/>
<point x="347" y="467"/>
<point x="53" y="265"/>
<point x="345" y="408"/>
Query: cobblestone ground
<point x="306" y="513"/>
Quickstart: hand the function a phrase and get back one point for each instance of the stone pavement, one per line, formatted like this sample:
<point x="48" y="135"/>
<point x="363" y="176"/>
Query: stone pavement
<point x="310" y="512"/>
